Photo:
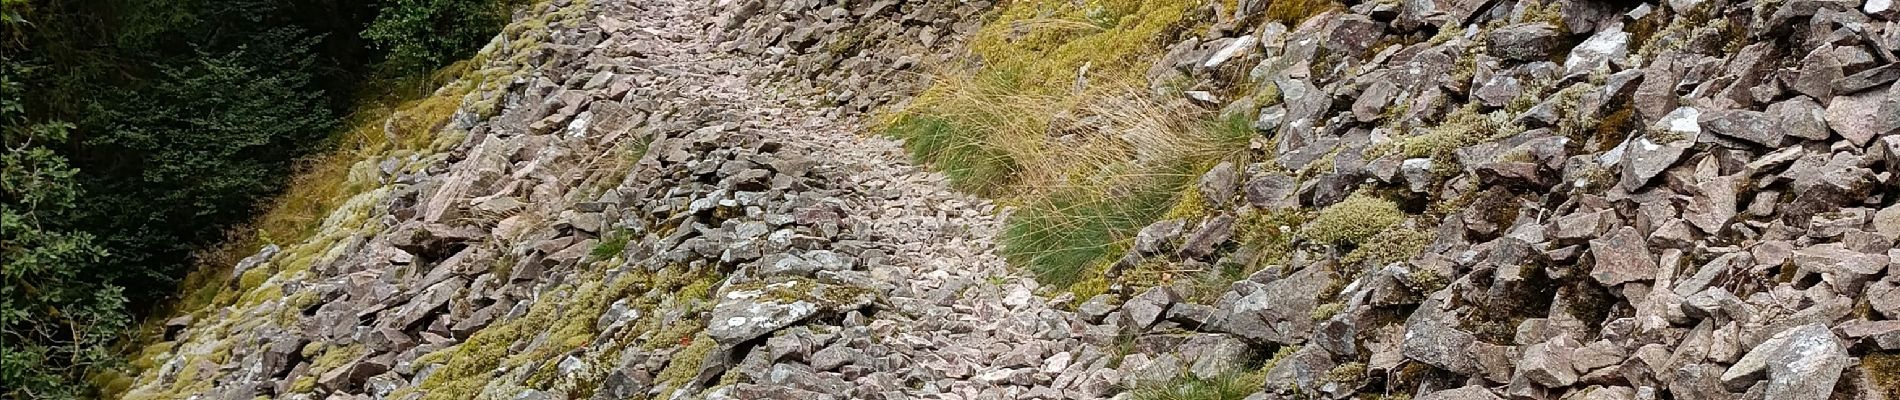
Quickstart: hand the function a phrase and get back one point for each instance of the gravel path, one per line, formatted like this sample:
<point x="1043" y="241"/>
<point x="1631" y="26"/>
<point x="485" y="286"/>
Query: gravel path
<point x="960" y="323"/>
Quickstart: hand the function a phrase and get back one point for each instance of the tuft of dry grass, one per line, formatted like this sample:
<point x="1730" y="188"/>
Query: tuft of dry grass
<point x="1293" y="12"/>
<point x="1060" y="122"/>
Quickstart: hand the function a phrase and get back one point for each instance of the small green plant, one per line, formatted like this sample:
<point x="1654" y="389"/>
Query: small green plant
<point x="1233" y="384"/>
<point x="1327" y="311"/>
<point x="958" y="150"/>
<point x="425" y="34"/>
<point x="1292" y="12"/>
<point x="1059" y="238"/>
<point x="610" y="246"/>
<point x="1353" y="220"/>
<point x="1347" y="373"/>
<point x="1390" y="246"/>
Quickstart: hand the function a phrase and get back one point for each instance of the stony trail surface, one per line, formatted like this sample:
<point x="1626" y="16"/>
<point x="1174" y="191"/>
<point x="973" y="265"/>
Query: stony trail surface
<point x="756" y="244"/>
<point x="960" y="320"/>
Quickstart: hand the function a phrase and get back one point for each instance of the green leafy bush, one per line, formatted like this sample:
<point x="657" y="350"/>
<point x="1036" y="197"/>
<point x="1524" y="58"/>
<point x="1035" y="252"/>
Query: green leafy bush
<point x="420" y="35"/>
<point x="54" y="320"/>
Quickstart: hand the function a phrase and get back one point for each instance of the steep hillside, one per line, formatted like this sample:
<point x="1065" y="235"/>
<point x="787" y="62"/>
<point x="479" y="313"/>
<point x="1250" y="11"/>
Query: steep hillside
<point x="810" y="199"/>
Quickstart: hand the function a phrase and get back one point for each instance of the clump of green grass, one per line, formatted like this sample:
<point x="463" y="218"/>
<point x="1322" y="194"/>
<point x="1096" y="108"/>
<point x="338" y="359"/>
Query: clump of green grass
<point x="1230" y="385"/>
<point x="957" y="150"/>
<point x="1062" y="236"/>
<point x="1353" y="220"/>
<point x="610" y="246"/>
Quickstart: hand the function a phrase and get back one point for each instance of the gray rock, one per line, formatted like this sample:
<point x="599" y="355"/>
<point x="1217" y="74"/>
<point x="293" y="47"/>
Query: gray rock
<point x="262" y="256"/>
<point x="1352" y="34"/>
<point x="1305" y="369"/>
<point x="1645" y="157"/>
<point x="1713" y="203"/>
<point x="1229" y="48"/>
<point x="1472" y="392"/>
<point x="1887" y="222"/>
<point x="1868" y="79"/>
<point x="1143" y="310"/>
<point x="1418" y="174"/>
<point x="1211" y="355"/>
<point x="1602" y="48"/>
<point x="748" y="313"/>
<point x="1549" y="364"/>
<point x="1159" y="236"/>
<point x="1753" y="126"/>
<point x="1212" y="233"/>
<point x="354" y="373"/>
<point x="1096" y="308"/>
<point x="1698" y="382"/>
<point x="1801" y="363"/>
<point x="1218" y="184"/>
<point x="1273" y="191"/>
<point x="1439" y="343"/>
<point x="1523" y="42"/>
<point x="1862" y="117"/>
<point x="1498" y="91"/>
<point x="1801" y="117"/>
<point x="1622" y="257"/>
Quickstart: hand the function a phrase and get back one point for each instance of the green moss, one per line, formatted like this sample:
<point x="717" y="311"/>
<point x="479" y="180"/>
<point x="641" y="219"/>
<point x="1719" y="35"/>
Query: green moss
<point x="304" y="384"/>
<point x="1353" y="220"/>
<point x="1883" y="372"/>
<point x="1347" y="373"/>
<point x="260" y="295"/>
<point x="254" y="277"/>
<point x="1092" y="284"/>
<point x="1327" y="311"/>
<point x="685" y="363"/>
<point x="1428" y="281"/>
<point x="334" y="356"/>
<point x="1463" y="127"/>
<point x="1292" y="12"/>
<point x="675" y="334"/>
<point x="1390" y="246"/>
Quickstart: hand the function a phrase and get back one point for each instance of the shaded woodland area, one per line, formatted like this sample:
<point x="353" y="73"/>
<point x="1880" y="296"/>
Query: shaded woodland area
<point x="138" y="133"/>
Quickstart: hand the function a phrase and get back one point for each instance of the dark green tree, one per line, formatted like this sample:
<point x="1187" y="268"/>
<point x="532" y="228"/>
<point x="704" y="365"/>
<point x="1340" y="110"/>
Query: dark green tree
<point x="55" y="320"/>
<point x="419" y="35"/>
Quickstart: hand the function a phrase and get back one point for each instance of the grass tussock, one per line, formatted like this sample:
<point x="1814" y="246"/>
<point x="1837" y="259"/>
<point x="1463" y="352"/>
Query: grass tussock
<point x="1228" y="385"/>
<point x="1047" y="41"/>
<point x="1059" y="123"/>
<point x="1086" y="171"/>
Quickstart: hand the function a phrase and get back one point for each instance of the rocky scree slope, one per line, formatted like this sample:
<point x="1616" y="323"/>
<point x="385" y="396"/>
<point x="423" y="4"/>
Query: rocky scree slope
<point x="1536" y="200"/>
<point x="1480" y="200"/>
<point x="648" y="205"/>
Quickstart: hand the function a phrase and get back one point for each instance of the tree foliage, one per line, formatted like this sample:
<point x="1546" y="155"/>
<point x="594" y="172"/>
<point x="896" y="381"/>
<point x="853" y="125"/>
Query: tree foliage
<point x="424" y="34"/>
<point x="138" y="131"/>
<point x="55" y="322"/>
